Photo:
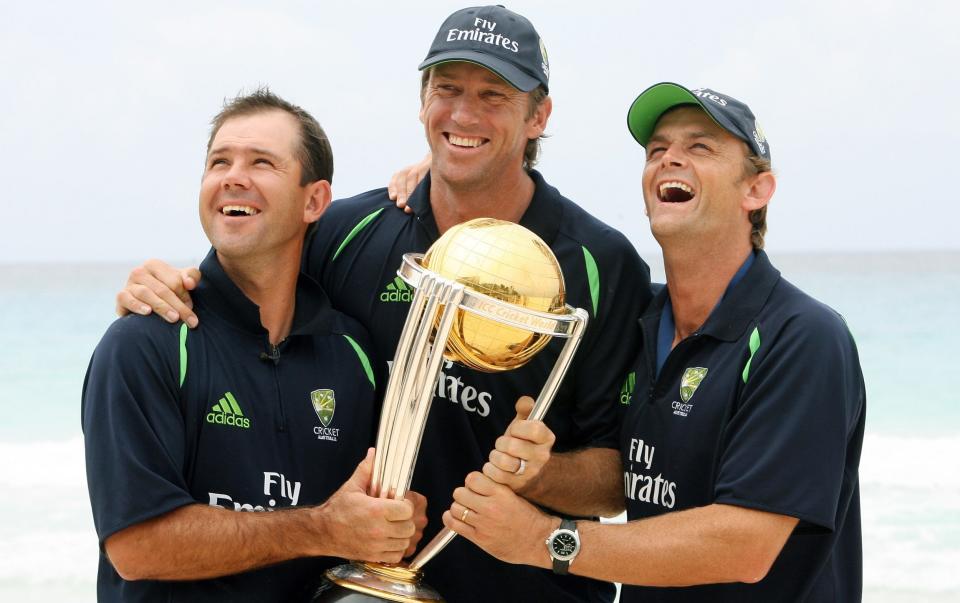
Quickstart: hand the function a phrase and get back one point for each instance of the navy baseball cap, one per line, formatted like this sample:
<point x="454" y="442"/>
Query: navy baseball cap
<point x="729" y="113"/>
<point x="496" y="38"/>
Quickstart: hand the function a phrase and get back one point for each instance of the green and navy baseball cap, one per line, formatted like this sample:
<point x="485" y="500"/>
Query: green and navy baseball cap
<point x="729" y="113"/>
<point x="496" y="38"/>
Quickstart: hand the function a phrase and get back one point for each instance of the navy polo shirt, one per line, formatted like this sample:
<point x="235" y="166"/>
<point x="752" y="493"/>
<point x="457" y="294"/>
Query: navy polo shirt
<point x="762" y="407"/>
<point x="219" y="416"/>
<point x="356" y="253"/>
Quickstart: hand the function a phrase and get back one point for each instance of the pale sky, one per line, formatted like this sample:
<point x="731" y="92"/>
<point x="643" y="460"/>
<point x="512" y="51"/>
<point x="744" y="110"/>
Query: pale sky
<point x="105" y="107"/>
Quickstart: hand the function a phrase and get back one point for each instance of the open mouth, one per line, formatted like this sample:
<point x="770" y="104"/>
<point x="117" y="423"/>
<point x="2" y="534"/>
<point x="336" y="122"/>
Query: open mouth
<point x="675" y="192"/>
<point x="465" y="141"/>
<point x="239" y="210"/>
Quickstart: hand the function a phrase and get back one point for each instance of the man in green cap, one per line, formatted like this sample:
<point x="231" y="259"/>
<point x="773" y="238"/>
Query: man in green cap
<point x="740" y="443"/>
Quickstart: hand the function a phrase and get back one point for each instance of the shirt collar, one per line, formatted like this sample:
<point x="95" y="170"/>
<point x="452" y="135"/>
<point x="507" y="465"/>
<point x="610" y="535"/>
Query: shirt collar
<point x="543" y="215"/>
<point x="743" y="300"/>
<point x="312" y="314"/>
<point x="733" y="312"/>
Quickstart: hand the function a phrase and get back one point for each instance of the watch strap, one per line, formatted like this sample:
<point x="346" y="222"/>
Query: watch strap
<point x="562" y="566"/>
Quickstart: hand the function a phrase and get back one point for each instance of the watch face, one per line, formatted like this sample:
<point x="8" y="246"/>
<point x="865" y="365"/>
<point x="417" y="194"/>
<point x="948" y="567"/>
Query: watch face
<point x="564" y="544"/>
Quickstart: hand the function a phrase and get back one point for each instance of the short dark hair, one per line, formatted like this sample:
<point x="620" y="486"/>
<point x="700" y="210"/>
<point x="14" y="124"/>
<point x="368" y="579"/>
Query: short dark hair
<point x="535" y="98"/>
<point x="313" y="152"/>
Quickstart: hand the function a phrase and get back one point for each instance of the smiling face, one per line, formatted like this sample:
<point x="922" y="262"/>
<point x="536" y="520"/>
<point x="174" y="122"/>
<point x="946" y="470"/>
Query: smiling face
<point x="477" y="125"/>
<point x="695" y="186"/>
<point x="251" y="199"/>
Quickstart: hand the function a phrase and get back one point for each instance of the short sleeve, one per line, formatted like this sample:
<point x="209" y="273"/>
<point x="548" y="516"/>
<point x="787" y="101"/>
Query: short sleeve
<point x="133" y="426"/>
<point x="785" y="449"/>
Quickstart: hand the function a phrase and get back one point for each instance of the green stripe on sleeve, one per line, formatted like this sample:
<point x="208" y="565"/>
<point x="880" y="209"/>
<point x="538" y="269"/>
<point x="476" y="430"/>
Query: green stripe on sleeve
<point x="754" y="346"/>
<point x="363" y="360"/>
<point x="183" y="352"/>
<point x="593" y="277"/>
<point x="356" y="230"/>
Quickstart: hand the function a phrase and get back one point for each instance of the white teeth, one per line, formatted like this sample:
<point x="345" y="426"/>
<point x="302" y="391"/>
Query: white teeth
<point x="465" y="142"/>
<point x="679" y="185"/>
<point x="245" y="209"/>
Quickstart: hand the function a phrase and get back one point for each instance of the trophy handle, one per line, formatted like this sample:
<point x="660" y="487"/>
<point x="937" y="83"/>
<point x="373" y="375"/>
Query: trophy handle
<point x="540" y="408"/>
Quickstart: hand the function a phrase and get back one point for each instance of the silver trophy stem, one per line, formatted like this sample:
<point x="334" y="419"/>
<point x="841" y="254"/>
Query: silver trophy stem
<point x="451" y="296"/>
<point x="391" y="400"/>
<point x="420" y="383"/>
<point x="411" y="376"/>
<point x="552" y="384"/>
<point x="540" y="408"/>
<point x="408" y="375"/>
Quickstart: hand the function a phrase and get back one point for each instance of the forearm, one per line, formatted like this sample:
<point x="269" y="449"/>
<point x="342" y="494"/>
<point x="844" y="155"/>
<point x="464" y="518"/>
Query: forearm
<point x="587" y="482"/>
<point x="198" y="541"/>
<point x="706" y="545"/>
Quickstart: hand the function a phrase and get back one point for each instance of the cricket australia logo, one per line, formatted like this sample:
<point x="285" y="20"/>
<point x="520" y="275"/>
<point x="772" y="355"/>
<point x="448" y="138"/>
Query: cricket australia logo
<point x="692" y="377"/>
<point x="325" y="405"/>
<point x="396" y="291"/>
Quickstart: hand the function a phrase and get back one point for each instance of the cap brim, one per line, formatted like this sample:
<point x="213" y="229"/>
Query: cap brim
<point x="510" y="73"/>
<point x="654" y="102"/>
<point x="658" y="99"/>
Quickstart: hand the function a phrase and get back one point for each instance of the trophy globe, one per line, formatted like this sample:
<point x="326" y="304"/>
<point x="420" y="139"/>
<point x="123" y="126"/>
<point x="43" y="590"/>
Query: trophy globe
<point x="509" y="263"/>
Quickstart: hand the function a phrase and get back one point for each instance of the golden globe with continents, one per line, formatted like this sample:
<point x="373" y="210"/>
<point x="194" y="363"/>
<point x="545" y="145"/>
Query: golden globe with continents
<point x="507" y="262"/>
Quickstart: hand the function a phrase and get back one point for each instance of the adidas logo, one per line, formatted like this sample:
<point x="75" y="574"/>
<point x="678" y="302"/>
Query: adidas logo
<point x="397" y="291"/>
<point x="227" y="412"/>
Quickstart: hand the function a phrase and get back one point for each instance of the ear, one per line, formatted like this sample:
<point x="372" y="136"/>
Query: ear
<point x="318" y="200"/>
<point x="538" y="122"/>
<point x="760" y="189"/>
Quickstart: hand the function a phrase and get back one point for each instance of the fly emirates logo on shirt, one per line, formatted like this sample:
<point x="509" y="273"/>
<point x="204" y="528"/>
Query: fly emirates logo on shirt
<point x="277" y="489"/>
<point x="452" y="388"/>
<point x="639" y="482"/>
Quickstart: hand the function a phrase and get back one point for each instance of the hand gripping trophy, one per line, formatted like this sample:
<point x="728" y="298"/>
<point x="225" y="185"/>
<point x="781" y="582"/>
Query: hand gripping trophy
<point x="489" y="295"/>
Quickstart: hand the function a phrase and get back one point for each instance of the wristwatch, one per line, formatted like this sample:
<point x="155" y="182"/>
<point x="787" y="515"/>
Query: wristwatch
<point x="563" y="544"/>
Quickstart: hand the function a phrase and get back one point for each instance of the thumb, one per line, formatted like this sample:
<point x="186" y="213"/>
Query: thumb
<point x="361" y="475"/>
<point x="523" y="407"/>
<point x="190" y="277"/>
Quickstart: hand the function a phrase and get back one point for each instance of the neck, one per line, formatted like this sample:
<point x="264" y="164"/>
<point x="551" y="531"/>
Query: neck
<point x="506" y="199"/>
<point x="270" y="283"/>
<point x="696" y="280"/>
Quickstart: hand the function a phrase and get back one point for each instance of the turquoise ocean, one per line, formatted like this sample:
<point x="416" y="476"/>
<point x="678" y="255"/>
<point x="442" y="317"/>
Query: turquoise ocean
<point x="903" y="309"/>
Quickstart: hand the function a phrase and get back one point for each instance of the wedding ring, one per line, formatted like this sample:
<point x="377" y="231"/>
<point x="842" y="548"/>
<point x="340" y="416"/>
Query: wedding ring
<point x="521" y="468"/>
<point x="463" y="516"/>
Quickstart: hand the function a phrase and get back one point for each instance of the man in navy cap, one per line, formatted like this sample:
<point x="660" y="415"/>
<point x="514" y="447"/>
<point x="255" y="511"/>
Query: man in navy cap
<point x="741" y="436"/>
<point x="485" y="105"/>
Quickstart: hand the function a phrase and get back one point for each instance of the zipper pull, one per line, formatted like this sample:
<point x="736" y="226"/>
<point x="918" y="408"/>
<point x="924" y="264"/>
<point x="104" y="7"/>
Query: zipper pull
<point x="273" y="356"/>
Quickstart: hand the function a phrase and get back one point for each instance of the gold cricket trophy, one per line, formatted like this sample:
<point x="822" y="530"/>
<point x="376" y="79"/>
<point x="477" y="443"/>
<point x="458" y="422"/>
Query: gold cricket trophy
<point x="489" y="295"/>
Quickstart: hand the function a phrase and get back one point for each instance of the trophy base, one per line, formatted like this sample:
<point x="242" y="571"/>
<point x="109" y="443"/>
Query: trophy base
<point x="368" y="582"/>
